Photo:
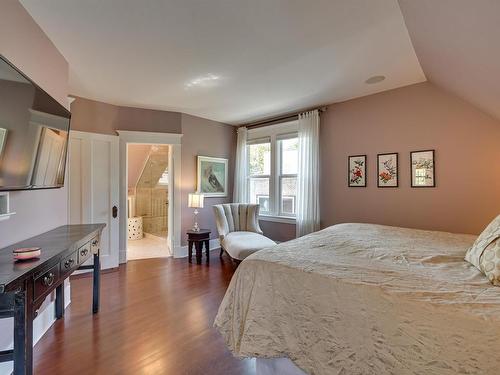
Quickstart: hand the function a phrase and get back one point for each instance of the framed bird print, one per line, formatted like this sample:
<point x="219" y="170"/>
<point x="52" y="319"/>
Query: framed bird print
<point x="212" y="176"/>
<point x="387" y="170"/>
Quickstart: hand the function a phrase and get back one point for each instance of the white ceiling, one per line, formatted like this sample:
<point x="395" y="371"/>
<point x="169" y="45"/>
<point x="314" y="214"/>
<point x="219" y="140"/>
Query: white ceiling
<point x="232" y="61"/>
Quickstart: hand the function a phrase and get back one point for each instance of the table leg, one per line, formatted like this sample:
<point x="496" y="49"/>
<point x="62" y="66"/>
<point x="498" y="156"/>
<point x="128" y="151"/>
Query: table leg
<point x="190" y="252"/>
<point x="199" y="246"/>
<point x="96" y="284"/>
<point x="23" y="333"/>
<point x="207" y="250"/>
<point x="60" y="301"/>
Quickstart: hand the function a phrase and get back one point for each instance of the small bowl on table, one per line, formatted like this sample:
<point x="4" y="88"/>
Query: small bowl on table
<point x="27" y="253"/>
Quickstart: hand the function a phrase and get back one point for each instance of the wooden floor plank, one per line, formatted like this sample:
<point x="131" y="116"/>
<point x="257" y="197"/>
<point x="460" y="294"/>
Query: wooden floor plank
<point x="156" y="318"/>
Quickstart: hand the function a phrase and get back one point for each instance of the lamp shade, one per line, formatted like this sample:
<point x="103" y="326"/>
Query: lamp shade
<point x="195" y="200"/>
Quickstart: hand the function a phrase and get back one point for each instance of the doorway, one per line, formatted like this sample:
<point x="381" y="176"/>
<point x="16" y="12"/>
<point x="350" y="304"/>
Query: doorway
<point x="172" y="178"/>
<point x="147" y="201"/>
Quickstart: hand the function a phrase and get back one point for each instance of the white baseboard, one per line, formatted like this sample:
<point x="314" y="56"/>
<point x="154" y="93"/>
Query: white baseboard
<point x="47" y="317"/>
<point x="182" y="251"/>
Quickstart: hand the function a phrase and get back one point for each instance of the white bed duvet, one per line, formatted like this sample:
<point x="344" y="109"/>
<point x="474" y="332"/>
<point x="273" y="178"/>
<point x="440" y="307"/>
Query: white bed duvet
<point x="365" y="299"/>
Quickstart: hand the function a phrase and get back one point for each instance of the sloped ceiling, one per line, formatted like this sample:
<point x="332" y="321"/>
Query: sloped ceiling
<point x="458" y="45"/>
<point x="137" y="157"/>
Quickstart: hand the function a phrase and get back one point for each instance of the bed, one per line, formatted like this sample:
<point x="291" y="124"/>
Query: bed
<point x="364" y="299"/>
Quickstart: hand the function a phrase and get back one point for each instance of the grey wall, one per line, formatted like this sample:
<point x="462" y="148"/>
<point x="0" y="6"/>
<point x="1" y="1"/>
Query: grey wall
<point x="96" y="117"/>
<point x="200" y="137"/>
<point x="206" y="138"/>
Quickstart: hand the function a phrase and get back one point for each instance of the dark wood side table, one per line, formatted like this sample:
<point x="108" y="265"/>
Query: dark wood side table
<point x="198" y="239"/>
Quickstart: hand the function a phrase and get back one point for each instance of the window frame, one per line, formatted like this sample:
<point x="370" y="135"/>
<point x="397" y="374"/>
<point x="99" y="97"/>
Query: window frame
<point x="281" y="175"/>
<point x="256" y="141"/>
<point x="275" y="134"/>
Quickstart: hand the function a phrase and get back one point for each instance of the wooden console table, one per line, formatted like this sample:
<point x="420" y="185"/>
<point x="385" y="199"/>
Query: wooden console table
<point x="24" y="285"/>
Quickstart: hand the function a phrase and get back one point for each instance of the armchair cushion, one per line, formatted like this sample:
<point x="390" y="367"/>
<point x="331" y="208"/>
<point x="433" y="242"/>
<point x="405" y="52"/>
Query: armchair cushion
<point x="240" y="244"/>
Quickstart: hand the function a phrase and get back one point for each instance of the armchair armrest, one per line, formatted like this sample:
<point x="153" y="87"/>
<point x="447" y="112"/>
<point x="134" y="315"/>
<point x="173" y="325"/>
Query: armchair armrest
<point x="253" y="224"/>
<point x="221" y="221"/>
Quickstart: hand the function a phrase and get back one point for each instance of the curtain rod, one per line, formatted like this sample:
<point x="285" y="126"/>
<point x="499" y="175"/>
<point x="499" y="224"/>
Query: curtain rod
<point x="280" y="119"/>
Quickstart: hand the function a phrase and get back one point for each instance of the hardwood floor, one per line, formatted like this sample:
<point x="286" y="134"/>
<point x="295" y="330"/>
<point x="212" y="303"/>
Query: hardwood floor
<point x="156" y="318"/>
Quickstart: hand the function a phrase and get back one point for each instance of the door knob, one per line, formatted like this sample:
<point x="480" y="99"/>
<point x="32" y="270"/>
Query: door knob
<point x="115" y="212"/>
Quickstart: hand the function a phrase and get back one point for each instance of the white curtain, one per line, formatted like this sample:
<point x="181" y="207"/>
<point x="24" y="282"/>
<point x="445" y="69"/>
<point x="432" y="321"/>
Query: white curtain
<point x="308" y="174"/>
<point x="240" y="168"/>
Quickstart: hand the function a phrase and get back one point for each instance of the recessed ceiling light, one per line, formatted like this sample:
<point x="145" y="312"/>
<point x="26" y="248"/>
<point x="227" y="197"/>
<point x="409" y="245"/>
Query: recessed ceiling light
<point x="207" y="80"/>
<point x="375" y="79"/>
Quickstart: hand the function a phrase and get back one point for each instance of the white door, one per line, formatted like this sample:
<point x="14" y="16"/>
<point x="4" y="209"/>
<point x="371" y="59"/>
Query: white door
<point x="50" y="151"/>
<point x="94" y="188"/>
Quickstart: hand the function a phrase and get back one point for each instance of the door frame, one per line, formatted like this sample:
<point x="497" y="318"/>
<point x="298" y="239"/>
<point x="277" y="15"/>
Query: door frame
<point x="174" y="194"/>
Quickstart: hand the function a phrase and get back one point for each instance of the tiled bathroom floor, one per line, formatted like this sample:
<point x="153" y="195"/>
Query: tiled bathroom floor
<point x="148" y="247"/>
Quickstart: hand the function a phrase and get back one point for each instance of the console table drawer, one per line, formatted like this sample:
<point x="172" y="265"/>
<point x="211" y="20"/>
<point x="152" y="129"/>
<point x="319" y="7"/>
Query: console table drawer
<point x="46" y="282"/>
<point x="69" y="263"/>
<point x="94" y="245"/>
<point x="84" y="252"/>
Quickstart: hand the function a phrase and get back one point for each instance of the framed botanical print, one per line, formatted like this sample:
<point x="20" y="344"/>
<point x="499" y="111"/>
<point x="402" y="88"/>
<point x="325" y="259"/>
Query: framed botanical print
<point x="423" y="168"/>
<point x="387" y="170"/>
<point x="212" y="176"/>
<point x="356" y="165"/>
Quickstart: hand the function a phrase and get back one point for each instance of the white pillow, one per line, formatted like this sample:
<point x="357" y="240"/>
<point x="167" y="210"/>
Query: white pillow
<point x="490" y="262"/>
<point x="488" y="239"/>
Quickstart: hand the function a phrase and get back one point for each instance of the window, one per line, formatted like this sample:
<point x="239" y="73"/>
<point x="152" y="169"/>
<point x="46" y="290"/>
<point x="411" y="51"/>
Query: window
<point x="164" y="178"/>
<point x="272" y="169"/>
<point x="259" y="173"/>
<point x="420" y="176"/>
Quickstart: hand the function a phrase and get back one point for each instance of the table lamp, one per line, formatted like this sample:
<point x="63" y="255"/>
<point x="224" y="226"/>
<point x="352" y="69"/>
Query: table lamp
<point x="195" y="200"/>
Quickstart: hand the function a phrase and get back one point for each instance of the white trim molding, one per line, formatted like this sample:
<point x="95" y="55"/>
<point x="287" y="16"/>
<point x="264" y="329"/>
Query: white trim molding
<point x="174" y="195"/>
<point x="151" y="138"/>
<point x="278" y="219"/>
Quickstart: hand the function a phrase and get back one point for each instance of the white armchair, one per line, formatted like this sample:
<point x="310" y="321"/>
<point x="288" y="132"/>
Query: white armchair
<point x="239" y="231"/>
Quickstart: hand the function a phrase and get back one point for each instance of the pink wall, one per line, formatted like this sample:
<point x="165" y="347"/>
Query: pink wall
<point x="467" y="144"/>
<point x="206" y="138"/>
<point x="26" y="46"/>
<point x="453" y="39"/>
<point x="278" y="231"/>
<point x="24" y="43"/>
<point x="137" y="156"/>
<point x="411" y="118"/>
<point x="96" y="117"/>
